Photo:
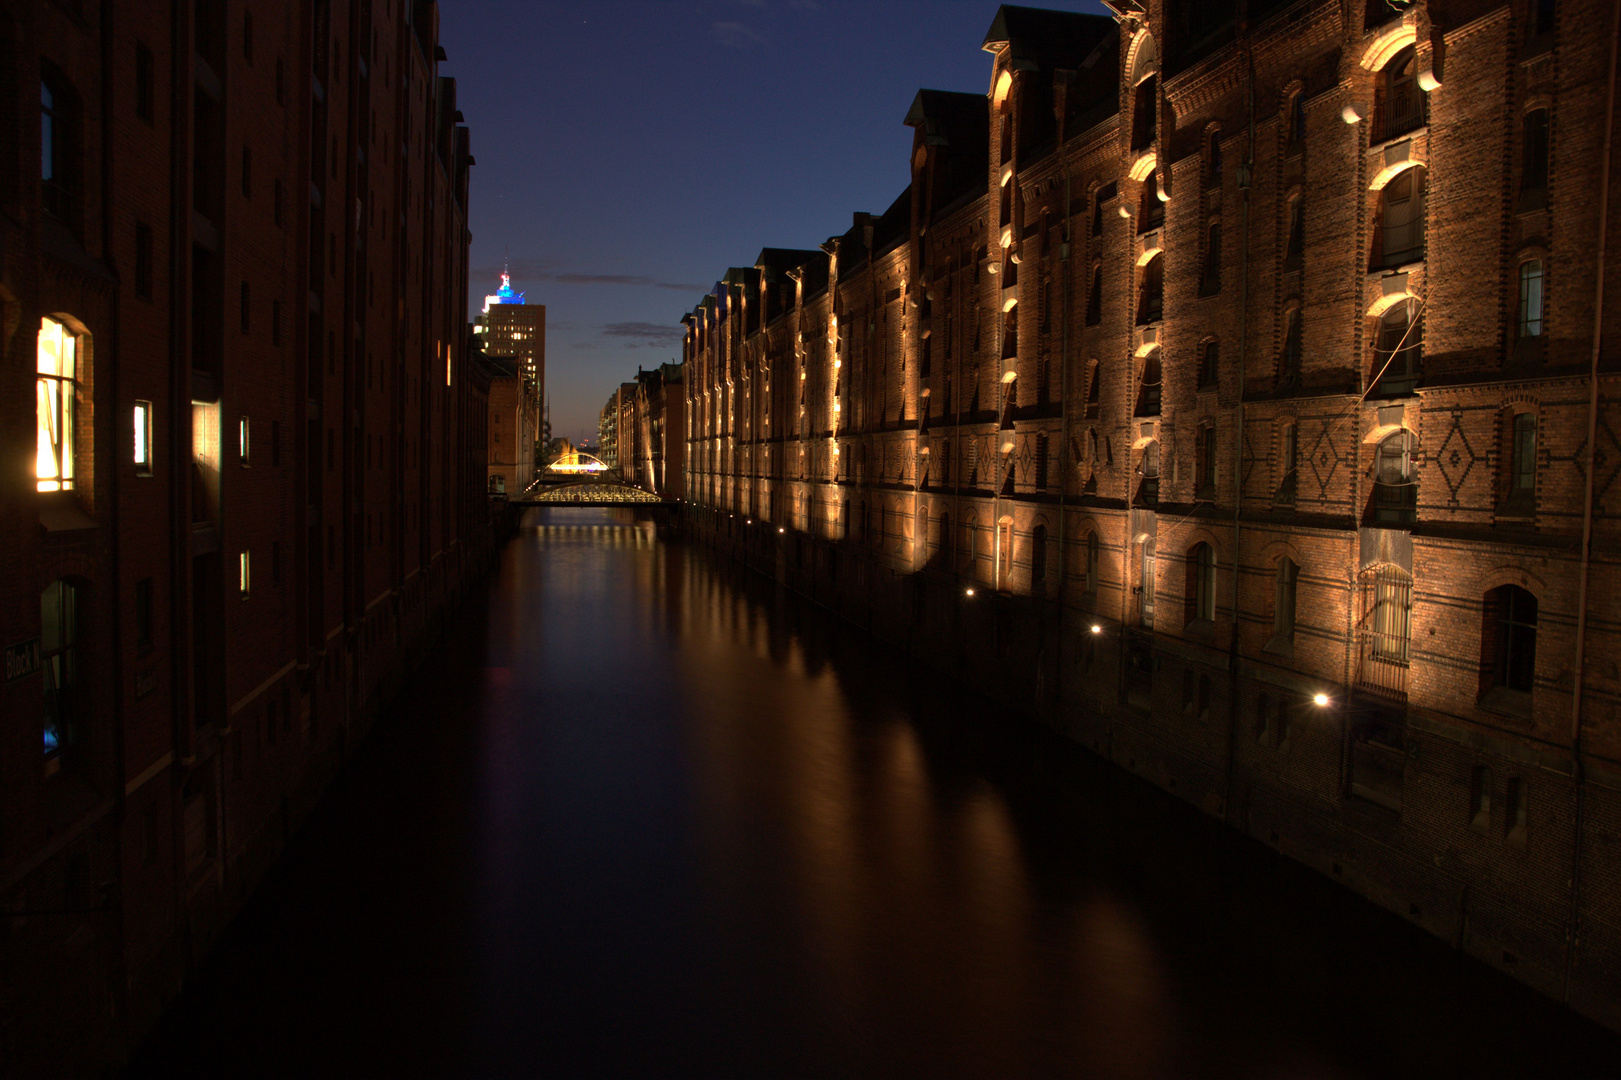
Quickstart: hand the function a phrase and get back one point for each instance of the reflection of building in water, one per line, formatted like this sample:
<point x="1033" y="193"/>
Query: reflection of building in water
<point x="1276" y="479"/>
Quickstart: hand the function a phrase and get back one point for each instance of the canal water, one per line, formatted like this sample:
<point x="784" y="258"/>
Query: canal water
<point x="646" y="815"/>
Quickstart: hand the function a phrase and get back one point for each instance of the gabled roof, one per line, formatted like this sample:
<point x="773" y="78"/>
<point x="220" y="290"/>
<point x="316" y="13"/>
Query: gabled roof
<point x="1040" y="39"/>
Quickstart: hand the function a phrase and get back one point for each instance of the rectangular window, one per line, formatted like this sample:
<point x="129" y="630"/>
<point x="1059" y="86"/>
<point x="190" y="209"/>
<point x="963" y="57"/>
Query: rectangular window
<point x="143" y="614"/>
<point x="55" y="392"/>
<point x="1480" y="798"/>
<point x="143" y="82"/>
<point x="1514" y="811"/>
<point x="243" y="575"/>
<point x="1534" y="160"/>
<point x="1283" y="601"/>
<point x="1531" y="299"/>
<point x="242" y="440"/>
<point x="143" y="260"/>
<point x="143" y="438"/>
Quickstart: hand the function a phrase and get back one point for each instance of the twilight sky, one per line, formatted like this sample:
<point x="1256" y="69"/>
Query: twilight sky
<point x="629" y="152"/>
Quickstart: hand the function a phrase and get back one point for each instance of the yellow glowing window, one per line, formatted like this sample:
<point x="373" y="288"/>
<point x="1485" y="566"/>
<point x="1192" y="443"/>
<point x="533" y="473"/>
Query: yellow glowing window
<point x="143" y="438"/>
<point x="243" y="576"/>
<point x="242" y="440"/>
<point x="55" y="391"/>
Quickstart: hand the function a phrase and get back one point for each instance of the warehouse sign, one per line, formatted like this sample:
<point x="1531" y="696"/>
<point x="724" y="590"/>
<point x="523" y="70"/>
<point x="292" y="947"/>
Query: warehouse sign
<point x="22" y="659"/>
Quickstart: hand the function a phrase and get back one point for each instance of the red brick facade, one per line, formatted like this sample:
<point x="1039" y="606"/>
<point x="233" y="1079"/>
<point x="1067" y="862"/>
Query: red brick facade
<point x="1231" y="360"/>
<point x="250" y="218"/>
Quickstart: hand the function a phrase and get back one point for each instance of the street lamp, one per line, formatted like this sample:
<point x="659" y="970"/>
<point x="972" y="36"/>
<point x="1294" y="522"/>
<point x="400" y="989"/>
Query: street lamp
<point x="1320" y="700"/>
<point x="969" y="592"/>
<point x="1097" y="628"/>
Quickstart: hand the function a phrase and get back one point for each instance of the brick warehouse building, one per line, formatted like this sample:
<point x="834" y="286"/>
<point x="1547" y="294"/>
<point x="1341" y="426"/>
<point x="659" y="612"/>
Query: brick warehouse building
<point x="233" y="271"/>
<point x="1227" y="387"/>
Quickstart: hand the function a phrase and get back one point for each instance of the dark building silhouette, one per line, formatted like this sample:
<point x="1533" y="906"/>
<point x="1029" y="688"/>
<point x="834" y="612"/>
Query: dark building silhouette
<point x="247" y="471"/>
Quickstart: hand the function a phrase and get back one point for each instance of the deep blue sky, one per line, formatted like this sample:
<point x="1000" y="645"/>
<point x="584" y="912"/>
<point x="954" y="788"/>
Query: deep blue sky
<point x="628" y="153"/>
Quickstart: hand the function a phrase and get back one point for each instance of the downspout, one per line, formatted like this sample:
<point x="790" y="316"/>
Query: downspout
<point x="1063" y="387"/>
<point x="1246" y="179"/>
<point x="1587" y="509"/>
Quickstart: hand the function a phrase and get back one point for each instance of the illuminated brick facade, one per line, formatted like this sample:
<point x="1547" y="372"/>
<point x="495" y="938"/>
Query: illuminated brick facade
<point x="1221" y="388"/>
<point x="250" y="220"/>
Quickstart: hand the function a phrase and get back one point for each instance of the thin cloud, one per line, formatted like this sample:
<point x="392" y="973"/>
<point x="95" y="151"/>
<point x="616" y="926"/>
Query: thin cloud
<point x="525" y="271"/>
<point x="735" y="35"/>
<point x="643" y="333"/>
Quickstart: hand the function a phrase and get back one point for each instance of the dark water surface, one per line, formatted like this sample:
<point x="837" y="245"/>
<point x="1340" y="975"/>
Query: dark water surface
<point x="645" y="815"/>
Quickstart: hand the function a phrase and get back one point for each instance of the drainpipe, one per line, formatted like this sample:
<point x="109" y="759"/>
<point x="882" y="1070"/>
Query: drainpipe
<point x="1068" y="220"/>
<point x="1587" y="508"/>
<point x="1246" y="180"/>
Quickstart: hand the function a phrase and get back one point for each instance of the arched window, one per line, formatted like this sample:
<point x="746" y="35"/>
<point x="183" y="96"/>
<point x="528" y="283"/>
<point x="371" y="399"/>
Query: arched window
<point x="1399" y="104"/>
<point x="1529" y="323"/>
<point x="1213" y="162"/>
<point x="1148" y="398"/>
<point x="1400" y="233"/>
<point x="1205" y="463"/>
<point x="1210" y="276"/>
<point x="1289" y="364"/>
<point x="1010" y="332"/>
<point x="1094" y="558"/>
<point x="1094" y="298"/>
<point x="1148" y="491"/>
<point x="1294" y="251"/>
<point x="1150" y="210"/>
<point x="1283" y="600"/>
<point x="1288" y="463"/>
<point x="1209" y="364"/>
<point x="1398" y="355"/>
<point x="1038" y="555"/>
<point x="59" y="659"/>
<point x="1151" y="305"/>
<point x="1509" y="641"/>
<point x="1200" y="593"/>
<point x="1522" y="464"/>
<point x="1395" y="482"/>
<point x="56" y="393"/>
<point x="1094" y="392"/>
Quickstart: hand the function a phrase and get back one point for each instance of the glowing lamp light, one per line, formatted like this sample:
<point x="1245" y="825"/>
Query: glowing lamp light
<point x="781" y="530"/>
<point x="1319" y="700"/>
<point x="1097" y="629"/>
<point x="969" y="592"/>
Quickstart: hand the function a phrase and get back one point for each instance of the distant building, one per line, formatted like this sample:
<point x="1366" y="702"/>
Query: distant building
<point x="660" y="431"/>
<point x="513" y="428"/>
<point x="512" y="327"/>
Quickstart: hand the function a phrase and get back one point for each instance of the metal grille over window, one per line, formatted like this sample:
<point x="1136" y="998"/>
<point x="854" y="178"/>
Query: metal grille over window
<point x="1385" y="632"/>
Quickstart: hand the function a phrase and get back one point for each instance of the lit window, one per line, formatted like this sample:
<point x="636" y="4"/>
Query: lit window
<point x="143" y="438"/>
<point x="55" y="393"/>
<point x="243" y="574"/>
<point x="1531" y="299"/>
<point x="242" y="440"/>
